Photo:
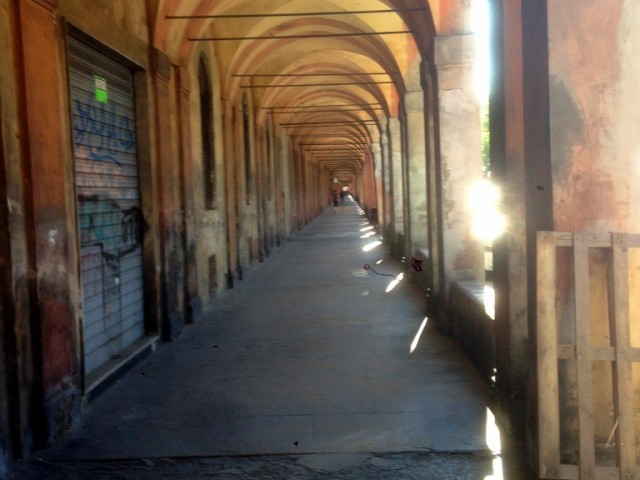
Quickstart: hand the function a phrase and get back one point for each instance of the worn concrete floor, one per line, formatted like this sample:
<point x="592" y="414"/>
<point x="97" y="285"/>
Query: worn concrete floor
<point x="312" y="367"/>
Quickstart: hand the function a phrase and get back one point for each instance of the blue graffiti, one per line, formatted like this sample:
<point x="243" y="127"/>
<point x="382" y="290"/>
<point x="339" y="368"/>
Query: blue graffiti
<point x="101" y="130"/>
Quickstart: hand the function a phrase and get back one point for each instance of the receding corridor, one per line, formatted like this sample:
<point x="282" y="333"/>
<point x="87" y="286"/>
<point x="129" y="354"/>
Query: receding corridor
<point x="311" y="354"/>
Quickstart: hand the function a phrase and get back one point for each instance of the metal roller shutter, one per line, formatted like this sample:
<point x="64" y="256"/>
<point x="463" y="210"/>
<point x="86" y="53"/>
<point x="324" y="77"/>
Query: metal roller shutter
<point x="108" y="203"/>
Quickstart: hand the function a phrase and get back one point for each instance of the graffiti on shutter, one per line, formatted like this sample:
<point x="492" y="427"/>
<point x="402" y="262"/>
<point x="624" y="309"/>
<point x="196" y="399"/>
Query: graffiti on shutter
<point x="108" y="203"/>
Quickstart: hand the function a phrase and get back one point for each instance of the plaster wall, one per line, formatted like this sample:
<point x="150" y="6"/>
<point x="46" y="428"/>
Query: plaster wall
<point x="120" y="25"/>
<point x="594" y="128"/>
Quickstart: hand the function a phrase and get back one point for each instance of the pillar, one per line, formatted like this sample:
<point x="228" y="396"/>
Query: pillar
<point x="434" y="268"/>
<point x="397" y="187"/>
<point x="387" y="211"/>
<point x="230" y="191"/>
<point x="416" y="195"/>
<point x="168" y="201"/>
<point x="460" y="157"/>
<point x="376" y="157"/>
<point x="511" y="269"/>
<point x="193" y="303"/>
<point x="54" y="327"/>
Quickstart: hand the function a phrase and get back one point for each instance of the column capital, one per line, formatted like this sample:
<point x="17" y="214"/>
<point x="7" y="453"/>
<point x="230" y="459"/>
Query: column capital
<point x="160" y="63"/>
<point x="414" y="102"/>
<point x="227" y="108"/>
<point x="50" y="5"/>
<point x="454" y="50"/>
<point x="185" y="81"/>
<point x="427" y="71"/>
<point x="394" y="125"/>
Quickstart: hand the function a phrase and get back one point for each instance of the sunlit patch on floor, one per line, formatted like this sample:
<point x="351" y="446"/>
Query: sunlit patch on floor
<point x="394" y="283"/>
<point x="370" y="246"/>
<point x="416" y="339"/>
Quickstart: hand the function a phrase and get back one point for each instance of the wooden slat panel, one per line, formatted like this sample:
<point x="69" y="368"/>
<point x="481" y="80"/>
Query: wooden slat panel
<point x="583" y="350"/>
<point x="594" y="240"/>
<point x="620" y="353"/>
<point x="566" y="352"/>
<point x="631" y="240"/>
<point x="620" y="336"/>
<point x="547" y="339"/>
<point x="607" y="354"/>
<point x="571" y="472"/>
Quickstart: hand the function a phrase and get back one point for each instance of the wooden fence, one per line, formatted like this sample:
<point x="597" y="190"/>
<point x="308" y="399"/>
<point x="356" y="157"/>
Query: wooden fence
<point x="614" y="249"/>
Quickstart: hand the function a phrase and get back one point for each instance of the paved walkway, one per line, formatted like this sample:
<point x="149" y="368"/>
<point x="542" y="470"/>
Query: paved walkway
<point x="312" y="367"/>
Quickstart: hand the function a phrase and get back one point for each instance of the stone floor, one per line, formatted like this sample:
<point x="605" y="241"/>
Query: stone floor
<point x="353" y="466"/>
<point x="313" y="367"/>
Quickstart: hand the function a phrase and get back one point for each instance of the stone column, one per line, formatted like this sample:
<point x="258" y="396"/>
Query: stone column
<point x="434" y="268"/>
<point x="283" y="193"/>
<point x="230" y="191"/>
<point x="376" y="157"/>
<point x="460" y="156"/>
<point x="54" y="386"/>
<point x="397" y="187"/>
<point x="172" y="280"/>
<point x="387" y="212"/>
<point x="416" y="195"/>
<point x="17" y="299"/>
<point x="52" y="211"/>
<point x="192" y="299"/>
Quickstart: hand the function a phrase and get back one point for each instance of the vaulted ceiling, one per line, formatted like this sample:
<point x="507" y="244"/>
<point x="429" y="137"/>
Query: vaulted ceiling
<point x="329" y="71"/>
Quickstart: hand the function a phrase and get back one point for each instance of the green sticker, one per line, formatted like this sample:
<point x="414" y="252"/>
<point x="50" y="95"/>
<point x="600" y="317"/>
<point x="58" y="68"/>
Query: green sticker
<point x="100" y="84"/>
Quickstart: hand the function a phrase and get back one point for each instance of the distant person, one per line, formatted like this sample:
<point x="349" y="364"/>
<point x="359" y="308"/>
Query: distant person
<point x="336" y="200"/>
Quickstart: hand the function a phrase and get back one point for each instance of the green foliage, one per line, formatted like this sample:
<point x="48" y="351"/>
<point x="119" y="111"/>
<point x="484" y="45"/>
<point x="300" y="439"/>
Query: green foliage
<point x="484" y="137"/>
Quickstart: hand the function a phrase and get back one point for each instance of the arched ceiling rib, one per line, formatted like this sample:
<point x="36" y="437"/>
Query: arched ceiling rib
<point x="328" y="72"/>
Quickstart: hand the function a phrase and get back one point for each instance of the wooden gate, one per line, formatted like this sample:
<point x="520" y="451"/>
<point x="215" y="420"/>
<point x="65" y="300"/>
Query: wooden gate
<point x="581" y="354"/>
